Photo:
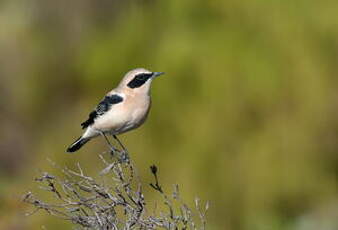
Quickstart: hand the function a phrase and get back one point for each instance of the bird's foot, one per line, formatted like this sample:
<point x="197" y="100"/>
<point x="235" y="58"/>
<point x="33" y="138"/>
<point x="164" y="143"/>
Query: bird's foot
<point x="114" y="151"/>
<point x="123" y="156"/>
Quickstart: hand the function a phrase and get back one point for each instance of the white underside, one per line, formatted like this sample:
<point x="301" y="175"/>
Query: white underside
<point x="128" y="115"/>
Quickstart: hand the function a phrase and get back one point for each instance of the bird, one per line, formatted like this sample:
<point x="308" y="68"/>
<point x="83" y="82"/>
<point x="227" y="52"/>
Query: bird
<point x="124" y="108"/>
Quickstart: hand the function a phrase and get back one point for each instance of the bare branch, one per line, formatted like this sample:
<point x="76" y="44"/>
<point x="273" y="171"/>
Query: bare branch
<point x="111" y="200"/>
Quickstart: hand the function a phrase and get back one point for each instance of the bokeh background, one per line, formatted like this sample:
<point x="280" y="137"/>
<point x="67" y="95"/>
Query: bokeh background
<point x="246" y="115"/>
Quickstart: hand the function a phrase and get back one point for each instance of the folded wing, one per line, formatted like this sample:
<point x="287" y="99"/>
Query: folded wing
<point x="102" y="108"/>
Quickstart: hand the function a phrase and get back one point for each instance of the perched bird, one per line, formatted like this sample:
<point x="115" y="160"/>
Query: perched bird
<point x="124" y="108"/>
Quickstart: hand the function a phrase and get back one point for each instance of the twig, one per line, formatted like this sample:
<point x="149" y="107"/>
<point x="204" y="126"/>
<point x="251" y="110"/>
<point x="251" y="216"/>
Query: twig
<point x="91" y="204"/>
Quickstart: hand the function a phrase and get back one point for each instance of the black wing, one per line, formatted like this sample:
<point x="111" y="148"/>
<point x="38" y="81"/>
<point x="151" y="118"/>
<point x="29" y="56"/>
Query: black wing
<point x="101" y="108"/>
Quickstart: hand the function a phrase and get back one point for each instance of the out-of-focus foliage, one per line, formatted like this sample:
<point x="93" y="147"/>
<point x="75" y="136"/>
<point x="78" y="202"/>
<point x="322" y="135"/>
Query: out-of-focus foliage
<point x="246" y="115"/>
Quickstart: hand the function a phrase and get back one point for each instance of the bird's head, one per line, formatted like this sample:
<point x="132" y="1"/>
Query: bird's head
<point x="139" y="80"/>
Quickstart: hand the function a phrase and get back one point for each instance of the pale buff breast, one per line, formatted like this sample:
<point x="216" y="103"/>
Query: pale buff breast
<point x="129" y="114"/>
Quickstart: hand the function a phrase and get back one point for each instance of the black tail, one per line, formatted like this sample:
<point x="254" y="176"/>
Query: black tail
<point x="77" y="144"/>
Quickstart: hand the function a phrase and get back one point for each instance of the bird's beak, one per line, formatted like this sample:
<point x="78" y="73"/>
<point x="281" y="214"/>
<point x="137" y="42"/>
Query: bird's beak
<point x="156" y="74"/>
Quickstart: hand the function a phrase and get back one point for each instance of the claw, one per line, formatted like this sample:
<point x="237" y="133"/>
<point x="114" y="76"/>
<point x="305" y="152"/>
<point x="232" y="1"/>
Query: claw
<point x="124" y="157"/>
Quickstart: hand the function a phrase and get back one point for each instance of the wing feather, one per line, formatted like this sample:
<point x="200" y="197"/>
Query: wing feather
<point x="102" y="108"/>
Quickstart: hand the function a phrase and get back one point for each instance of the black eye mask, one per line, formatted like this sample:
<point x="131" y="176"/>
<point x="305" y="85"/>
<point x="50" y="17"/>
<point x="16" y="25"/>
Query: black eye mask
<point x="139" y="80"/>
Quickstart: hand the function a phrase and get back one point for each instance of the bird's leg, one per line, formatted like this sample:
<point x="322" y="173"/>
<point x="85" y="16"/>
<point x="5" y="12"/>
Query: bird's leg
<point x="125" y="154"/>
<point x="112" y="149"/>
<point x="120" y="143"/>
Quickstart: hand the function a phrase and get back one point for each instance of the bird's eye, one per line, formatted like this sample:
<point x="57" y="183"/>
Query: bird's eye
<point x="143" y="77"/>
<point x="139" y="80"/>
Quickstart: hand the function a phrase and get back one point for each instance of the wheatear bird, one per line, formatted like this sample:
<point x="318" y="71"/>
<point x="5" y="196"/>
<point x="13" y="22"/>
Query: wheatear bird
<point x="122" y="109"/>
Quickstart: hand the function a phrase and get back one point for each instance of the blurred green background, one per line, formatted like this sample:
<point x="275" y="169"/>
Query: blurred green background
<point x="246" y="115"/>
